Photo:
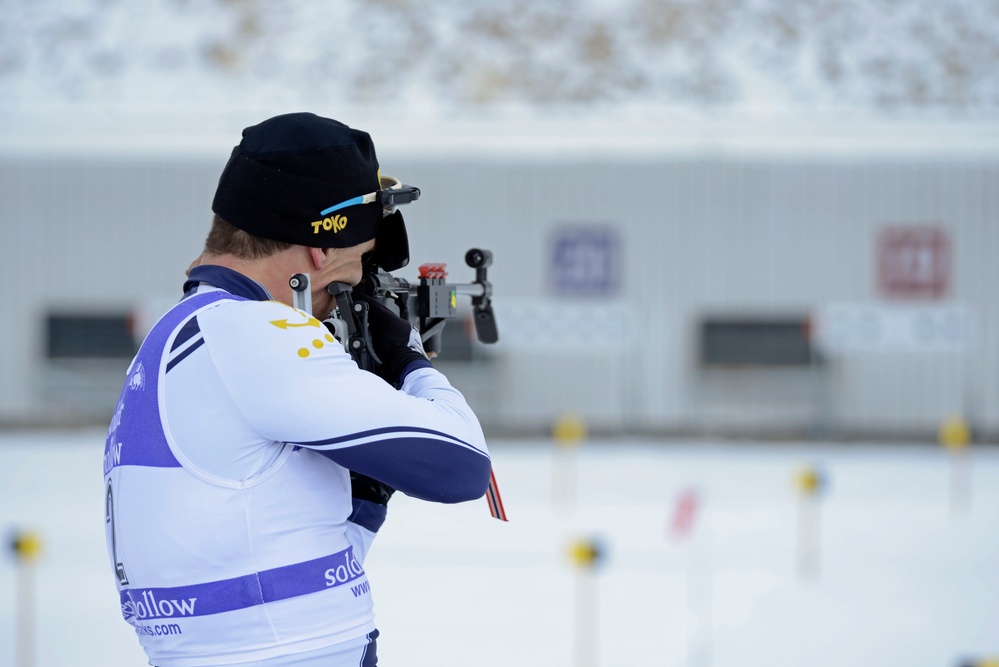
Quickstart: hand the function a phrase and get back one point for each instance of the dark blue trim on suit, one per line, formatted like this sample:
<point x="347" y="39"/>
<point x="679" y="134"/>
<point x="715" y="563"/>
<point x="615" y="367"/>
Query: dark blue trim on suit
<point x="370" y="656"/>
<point x="367" y="514"/>
<point x="414" y="365"/>
<point x="424" y="468"/>
<point x="190" y="329"/>
<point x="382" y="431"/>
<point x="227" y="279"/>
<point x="183" y="355"/>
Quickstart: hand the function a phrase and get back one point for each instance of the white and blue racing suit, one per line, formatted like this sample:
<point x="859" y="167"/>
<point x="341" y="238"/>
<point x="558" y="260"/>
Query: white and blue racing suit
<point x="230" y="524"/>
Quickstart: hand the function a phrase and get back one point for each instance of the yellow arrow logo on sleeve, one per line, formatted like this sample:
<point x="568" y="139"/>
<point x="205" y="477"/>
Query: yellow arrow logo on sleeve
<point x="285" y="324"/>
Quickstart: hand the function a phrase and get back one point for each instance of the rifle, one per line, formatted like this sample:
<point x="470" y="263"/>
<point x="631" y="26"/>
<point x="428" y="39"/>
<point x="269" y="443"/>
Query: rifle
<point x="428" y="304"/>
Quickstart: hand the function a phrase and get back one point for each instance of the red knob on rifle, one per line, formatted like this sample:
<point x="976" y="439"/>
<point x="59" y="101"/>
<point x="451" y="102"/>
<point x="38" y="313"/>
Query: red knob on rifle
<point x="433" y="271"/>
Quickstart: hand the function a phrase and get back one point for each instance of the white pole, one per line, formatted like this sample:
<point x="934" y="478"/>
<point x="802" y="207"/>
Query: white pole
<point x="27" y="547"/>
<point x="586" y="556"/>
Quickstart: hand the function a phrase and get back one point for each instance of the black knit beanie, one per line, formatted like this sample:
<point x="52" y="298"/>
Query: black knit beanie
<point x="289" y="170"/>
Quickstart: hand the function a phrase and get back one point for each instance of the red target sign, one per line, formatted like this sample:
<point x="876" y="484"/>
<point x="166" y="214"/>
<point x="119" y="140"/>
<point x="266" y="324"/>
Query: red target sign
<point x="914" y="262"/>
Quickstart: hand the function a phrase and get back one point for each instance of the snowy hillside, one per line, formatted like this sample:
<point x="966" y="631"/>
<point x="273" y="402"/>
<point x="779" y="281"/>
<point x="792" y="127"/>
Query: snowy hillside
<point x="881" y="61"/>
<point x="886" y="55"/>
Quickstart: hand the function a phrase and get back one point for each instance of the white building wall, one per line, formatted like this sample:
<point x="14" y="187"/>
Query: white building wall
<point x="701" y="235"/>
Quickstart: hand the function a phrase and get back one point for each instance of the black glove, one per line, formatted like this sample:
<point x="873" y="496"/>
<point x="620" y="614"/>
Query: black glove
<point x="396" y="341"/>
<point x="363" y="487"/>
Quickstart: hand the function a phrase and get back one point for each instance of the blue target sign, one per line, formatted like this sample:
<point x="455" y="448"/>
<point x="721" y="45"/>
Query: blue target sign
<point x="585" y="261"/>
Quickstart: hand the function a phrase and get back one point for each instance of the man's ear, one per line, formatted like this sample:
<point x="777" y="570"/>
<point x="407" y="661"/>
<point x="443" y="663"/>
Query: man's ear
<point x="318" y="256"/>
<point x="196" y="262"/>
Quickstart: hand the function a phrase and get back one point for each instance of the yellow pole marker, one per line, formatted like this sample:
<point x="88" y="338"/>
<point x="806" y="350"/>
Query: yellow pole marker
<point x="955" y="433"/>
<point x="568" y="433"/>
<point x="27" y="548"/>
<point x="955" y="436"/>
<point x="586" y="555"/>
<point x="569" y="430"/>
<point x="810" y="483"/>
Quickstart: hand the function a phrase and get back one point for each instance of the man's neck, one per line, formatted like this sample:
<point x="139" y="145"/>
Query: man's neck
<point x="271" y="272"/>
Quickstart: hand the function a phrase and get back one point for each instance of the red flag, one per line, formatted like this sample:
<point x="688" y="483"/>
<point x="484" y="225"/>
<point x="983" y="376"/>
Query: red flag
<point x="684" y="514"/>
<point x="494" y="500"/>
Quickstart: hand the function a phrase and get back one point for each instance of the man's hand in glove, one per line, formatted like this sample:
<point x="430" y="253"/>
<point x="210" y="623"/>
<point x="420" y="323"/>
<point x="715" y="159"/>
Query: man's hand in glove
<point x="396" y="341"/>
<point x="369" y="501"/>
<point x="363" y="487"/>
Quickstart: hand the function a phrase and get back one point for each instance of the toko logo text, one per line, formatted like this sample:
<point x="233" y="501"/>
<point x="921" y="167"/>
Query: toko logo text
<point x="335" y="223"/>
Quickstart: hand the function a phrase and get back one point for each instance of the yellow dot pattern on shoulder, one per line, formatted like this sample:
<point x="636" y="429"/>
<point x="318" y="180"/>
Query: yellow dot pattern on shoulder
<point x="304" y="352"/>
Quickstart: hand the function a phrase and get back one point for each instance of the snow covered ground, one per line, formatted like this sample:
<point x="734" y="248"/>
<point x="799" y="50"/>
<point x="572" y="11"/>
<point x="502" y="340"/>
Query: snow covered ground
<point x="903" y="572"/>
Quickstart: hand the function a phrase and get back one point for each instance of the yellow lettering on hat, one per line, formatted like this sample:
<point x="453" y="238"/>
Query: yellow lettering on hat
<point x="336" y="224"/>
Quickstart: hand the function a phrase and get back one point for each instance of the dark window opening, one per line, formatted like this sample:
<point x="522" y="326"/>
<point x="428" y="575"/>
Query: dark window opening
<point x="755" y="342"/>
<point x="89" y="336"/>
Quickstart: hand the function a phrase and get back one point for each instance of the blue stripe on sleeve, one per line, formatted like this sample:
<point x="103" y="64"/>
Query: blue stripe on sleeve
<point x="424" y="468"/>
<point x="361" y="435"/>
<point x="414" y="365"/>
